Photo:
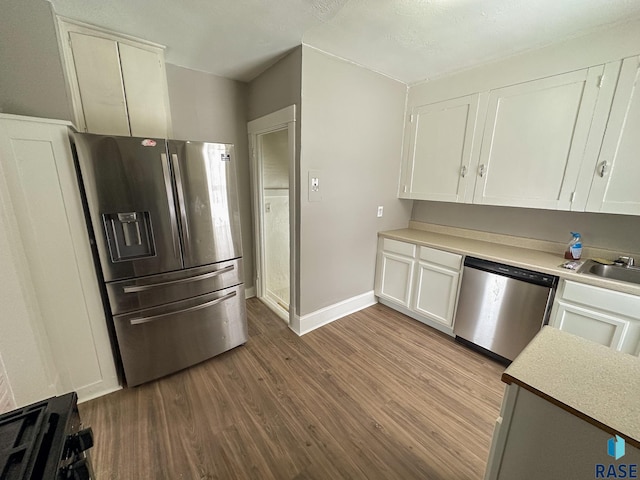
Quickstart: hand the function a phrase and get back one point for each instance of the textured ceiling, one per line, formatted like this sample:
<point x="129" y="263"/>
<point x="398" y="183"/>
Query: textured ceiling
<point x="409" y="40"/>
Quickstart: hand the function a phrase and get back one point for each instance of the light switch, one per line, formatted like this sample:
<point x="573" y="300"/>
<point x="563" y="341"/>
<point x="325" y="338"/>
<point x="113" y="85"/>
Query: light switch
<point x="380" y="210"/>
<point x="315" y="186"/>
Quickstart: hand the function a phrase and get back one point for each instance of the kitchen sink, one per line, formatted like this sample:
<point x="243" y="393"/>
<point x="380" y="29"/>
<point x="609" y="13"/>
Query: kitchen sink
<point x="612" y="272"/>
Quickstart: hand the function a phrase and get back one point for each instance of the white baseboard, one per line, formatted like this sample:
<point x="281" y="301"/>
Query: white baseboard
<point x="89" y="393"/>
<point x="427" y="321"/>
<point x="326" y="315"/>
<point x="249" y="292"/>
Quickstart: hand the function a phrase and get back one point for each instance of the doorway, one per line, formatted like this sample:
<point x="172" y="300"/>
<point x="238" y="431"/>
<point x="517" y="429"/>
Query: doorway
<point x="272" y="143"/>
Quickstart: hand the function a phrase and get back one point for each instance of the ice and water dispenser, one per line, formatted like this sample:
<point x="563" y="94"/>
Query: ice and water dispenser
<point x="129" y="235"/>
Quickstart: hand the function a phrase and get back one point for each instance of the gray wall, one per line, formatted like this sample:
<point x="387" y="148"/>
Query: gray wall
<point x="613" y="232"/>
<point x="210" y="108"/>
<point x="31" y="76"/>
<point x="352" y="121"/>
<point x="278" y="87"/>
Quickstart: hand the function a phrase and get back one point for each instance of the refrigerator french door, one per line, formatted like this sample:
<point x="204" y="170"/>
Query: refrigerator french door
<point x="165" y="220"/>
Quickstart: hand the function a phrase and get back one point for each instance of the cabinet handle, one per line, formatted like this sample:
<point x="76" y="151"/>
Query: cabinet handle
<point x="463" y="171"/>
<point x="483" y="169"/>
<point x="603" y="168"/>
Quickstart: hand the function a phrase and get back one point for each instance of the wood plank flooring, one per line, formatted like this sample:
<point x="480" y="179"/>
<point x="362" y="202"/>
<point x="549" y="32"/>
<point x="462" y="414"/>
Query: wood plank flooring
<point x="373" y="395"/>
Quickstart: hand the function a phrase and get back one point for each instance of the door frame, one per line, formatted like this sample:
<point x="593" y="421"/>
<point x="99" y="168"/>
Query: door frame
<point x="273" y="122"/>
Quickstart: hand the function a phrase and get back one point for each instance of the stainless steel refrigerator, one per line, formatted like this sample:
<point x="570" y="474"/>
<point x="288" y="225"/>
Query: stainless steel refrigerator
<point x="165" y="221"/>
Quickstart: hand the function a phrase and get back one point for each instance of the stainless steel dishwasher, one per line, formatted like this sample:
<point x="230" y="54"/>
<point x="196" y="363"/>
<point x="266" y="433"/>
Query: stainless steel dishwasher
<point x="500" y="307"/>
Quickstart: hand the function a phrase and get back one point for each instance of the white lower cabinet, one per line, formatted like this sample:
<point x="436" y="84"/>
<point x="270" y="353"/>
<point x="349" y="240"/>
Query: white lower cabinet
<point x="419" y="281"/>
<point x="437" y="280"/>
<point x="535" y="438"/>
<point x="603" y="316"/>
<point x="396" y="266"/>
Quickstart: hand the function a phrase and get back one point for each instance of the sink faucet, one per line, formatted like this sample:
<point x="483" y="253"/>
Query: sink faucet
<point x="626" y="261"/>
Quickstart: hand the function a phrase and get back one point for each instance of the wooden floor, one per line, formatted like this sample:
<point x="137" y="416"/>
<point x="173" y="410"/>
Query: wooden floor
<point x="373" y="395"/>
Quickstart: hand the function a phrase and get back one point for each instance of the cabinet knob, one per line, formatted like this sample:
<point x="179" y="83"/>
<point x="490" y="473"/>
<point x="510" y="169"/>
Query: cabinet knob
<point x="604" y="166"/>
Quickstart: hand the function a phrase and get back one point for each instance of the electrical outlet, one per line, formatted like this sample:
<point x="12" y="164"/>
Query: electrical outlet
<point x="380" y="210"/>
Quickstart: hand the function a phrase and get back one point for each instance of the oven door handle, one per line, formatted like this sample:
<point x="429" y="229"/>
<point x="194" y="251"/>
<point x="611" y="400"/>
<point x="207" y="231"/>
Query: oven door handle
<point x="197" y="278"/>
<point x="143" y="320"/>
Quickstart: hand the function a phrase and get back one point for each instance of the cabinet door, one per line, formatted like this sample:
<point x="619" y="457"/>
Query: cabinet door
<point x="440" y="150"/>
<point x="144" y="83"/>
<point x="534" y="140"/>
<point x="436" y="292"/>
<point x="590" y="324"/>
<point x="97" y="68"/>
<point x="38" y="166"/>
<point x="615" y="187"/>
<point x="396" y="278"/>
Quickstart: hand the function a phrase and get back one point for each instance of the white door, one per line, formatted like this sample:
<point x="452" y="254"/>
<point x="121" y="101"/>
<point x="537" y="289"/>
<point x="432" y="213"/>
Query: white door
<point x="615" y="187"/>
<point x="441" y="144"/>
<point x="97" y="67"/>
<point x="274" y="160"/>
<point x="272" y="141"/>
<point x="590" y="324"/>
<point x="534" y="140"/>
<point x="436" y="292"/>
<point x="396" y="278"/>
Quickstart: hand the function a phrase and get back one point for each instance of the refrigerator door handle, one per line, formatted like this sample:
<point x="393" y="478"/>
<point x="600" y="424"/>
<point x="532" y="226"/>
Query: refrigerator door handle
<point x="174" y="224"/>
<point x="143" y="320"/>
<point x="142" y="288"/>
<point x="175" y="163"/>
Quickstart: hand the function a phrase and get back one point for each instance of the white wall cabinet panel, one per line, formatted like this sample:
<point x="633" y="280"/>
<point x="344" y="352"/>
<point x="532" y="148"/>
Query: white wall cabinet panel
<point x="439" y="158"/>
<point x="38" y="167"/>
<point x="97" y="67"/>
<point x="117" y="83"/>
<point x="615" y="187"/>
<point x="534" y="140"/>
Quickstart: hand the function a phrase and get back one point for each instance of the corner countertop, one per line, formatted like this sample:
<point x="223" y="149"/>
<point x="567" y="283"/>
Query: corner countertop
<point x="491" y="247"/>
<point x="589" y="380"/>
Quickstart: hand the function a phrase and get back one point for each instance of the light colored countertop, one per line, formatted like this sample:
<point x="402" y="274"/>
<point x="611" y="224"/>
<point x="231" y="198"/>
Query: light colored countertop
<point x="500" y="248"/>
<point x="589" y="380"/>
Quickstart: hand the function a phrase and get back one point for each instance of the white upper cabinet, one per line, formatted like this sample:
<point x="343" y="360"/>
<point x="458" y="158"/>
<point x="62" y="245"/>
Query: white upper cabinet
<point x="97" y="69"/>
<point x="615" y="186"/>
<point x="118" y="84"/>
<point x="144" y="82"/>
<point x="438" y="162"/>
<point x="534" y="139"/>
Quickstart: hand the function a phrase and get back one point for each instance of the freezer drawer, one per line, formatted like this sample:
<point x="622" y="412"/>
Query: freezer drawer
<point x="146" y="292"/>
<point x="162" y="340"/>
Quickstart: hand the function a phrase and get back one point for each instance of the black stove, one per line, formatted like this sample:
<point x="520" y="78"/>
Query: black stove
<point x="45" y="441"/>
